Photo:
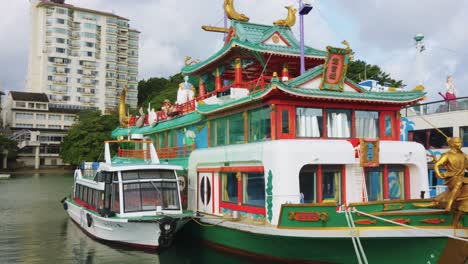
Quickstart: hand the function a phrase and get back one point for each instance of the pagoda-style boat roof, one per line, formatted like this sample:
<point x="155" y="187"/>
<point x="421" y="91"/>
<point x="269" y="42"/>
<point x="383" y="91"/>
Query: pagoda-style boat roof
<point x="263" y="43"/>
<point x="305" y="87"/>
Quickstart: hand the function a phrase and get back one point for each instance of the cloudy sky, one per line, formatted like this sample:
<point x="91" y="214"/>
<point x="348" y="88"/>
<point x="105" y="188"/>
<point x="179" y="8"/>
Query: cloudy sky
<point x="380" y="32"/>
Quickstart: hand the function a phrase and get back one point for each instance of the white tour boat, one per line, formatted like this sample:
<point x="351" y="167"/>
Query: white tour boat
<point x="131" y="199"/>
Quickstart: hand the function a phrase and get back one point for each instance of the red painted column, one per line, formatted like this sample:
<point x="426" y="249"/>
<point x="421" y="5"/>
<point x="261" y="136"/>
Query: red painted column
<point x="201" y="87"/>
<point x="238" y="72"/>
<point x="239" y="188"/>
<point x="319" y="184"/>
<point x="343" y="185"/>
<point x="218" y="84"/>
<point x="385" y="182"/>
<point x="407" y="183"/>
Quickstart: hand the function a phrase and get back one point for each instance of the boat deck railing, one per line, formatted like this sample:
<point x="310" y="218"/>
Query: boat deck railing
<point x="175" y="152"/>
<point x="436" y="107"/>
<point x="255" y="85"/>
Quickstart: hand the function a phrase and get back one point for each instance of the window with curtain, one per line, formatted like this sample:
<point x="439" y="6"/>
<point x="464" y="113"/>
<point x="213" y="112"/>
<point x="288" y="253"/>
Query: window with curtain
<point x="374" y="183"/>
<point x="230" y="187"/>
<point x="253" y="189"/>
<point x="116" y="198"/>
<point x="218" y="132"/>
<point x="308" y="183"/>
<point x="170" y="138"/>
<point x="259" y="124"/>
<point x="309" y="122"/>
<point x="160" y="140"/>
<point x="132" y="197"/>
<point x="338" y="123"/>
<point x="396" y="182"/>
<point x="331" y="183"/>
<point x="236" y="129"/>
<point x="388" y="125"/>
<point x="285" y="121"/>
<point x="367" y="124"/>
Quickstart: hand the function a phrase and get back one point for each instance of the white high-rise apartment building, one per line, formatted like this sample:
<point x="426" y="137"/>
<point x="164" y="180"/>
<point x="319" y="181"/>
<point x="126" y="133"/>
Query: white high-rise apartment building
<point x="81" y="58"/>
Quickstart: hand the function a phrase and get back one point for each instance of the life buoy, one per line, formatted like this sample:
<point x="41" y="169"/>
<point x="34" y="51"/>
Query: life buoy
<point x="167" y="227"/>
<point x="89" y="220"/>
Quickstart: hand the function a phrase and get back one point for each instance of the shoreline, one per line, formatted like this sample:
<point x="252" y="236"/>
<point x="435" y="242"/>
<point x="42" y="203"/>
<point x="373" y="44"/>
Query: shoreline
<point x="40" y="170"/>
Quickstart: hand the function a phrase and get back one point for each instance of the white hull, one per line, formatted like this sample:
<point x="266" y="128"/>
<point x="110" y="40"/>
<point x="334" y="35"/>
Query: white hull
<point x="138" y="234"/>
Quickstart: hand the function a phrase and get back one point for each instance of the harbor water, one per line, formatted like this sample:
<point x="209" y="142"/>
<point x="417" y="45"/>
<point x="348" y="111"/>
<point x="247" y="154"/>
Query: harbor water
<point x="34" y="228"/>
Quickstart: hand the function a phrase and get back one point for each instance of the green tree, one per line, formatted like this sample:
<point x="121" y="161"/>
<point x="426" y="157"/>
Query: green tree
<point x="9" y="145"/>
<point x="85" y="139"/>
<point x="359" y="71"/>
<point x="156" y="90"/>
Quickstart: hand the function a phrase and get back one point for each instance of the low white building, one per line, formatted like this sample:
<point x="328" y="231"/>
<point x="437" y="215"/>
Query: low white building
<point x="38" y="126"/>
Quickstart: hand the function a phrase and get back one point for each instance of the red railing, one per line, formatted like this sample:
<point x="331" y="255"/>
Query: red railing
<point x="175" y="152"/>
<point x="180" y="109"/>
<point x="134" y="153"/>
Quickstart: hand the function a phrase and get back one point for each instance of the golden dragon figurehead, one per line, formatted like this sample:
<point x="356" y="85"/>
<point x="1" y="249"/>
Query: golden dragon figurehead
<point x="290" y="20"/>
<point x="123" y="118"/>
<point x="232" y="13"/>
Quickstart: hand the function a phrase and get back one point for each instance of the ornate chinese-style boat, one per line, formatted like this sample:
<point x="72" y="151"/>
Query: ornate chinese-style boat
<point x="300" y="167"/>
<point x="131" y="199"/>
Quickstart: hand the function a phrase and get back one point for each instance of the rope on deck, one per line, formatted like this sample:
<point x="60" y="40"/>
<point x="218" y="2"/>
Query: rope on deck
<point x="354" y="210"/>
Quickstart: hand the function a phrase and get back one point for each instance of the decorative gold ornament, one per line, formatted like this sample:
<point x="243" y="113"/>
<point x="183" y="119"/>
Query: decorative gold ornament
<point x="123" y="118"/>
<point x="290" y="20"/>
<point x="187" y="61"/>
<point x="393" y="206"/>
<point x="455" y="163"/>
<point x="215" y="29"/>
<point x="232" y="13"/>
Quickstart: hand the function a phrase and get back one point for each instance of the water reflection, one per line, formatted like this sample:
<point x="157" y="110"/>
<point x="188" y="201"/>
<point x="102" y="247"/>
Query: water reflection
<point x="35" y="229"/>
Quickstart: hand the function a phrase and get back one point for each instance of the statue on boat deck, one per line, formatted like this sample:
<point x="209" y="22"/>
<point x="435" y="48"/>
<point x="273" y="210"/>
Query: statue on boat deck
<point x="123" y="118"/>
<point x="151" y="115"/>
<point x="186" y="91"/>
<point x="455" y="163"/>
<point x="450" y="93"/>
<point x="141" y="120"/>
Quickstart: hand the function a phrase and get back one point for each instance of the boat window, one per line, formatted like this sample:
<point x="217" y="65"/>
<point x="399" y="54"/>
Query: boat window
<point x="396" y="182"/>
<point x="338" y="123"/>
<point x="170" y="195"/>
<point x="218" y="132"/>
<point x="129" y="175"/>
<point x="116" y="197"/>
<point x="431" y="138"/>
<point x="253" y="186"/>
<point x="331" y="183"/>
<point x="132" y="197"/>
<point x="151" y="197"/>
<point x="148" y="174"/>
<point x="464" y="135"/>
<point x="229" y="183"/>
<point x="85" y="194"/>
<point x="307" y="183"/>
<point x="116" y="177"/>
<point x="388" y="125"/>
<point x="285" y="121"/>
<point x="309" y="122"/>
<point x="90" y="196"/>
<point x="259" y="124"/>
<point x="148" y="195"/>
<point x="374" y="183"/>
<point x="236" y="129"/>
<point x="367" y="124"/>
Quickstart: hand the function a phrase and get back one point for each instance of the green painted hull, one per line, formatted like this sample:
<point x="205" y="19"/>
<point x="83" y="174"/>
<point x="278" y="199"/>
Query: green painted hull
<point x="328" y="250"/>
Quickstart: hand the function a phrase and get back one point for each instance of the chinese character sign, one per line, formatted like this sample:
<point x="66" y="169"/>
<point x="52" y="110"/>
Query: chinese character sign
<point x="369" y="152"/>
<point x="335" y="68"/>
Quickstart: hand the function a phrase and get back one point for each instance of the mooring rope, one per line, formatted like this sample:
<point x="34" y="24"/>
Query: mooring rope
<point x="357" y="248"/>
<point x="408" y="226"/>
